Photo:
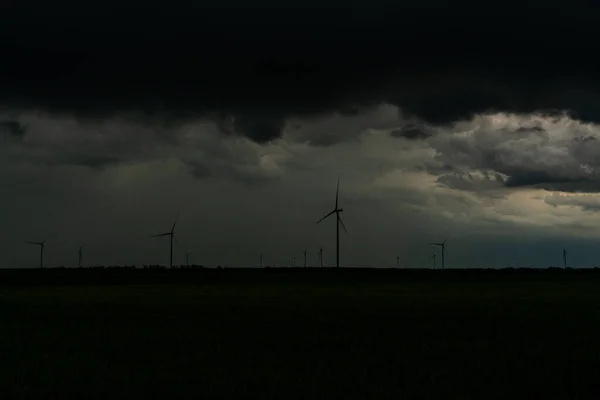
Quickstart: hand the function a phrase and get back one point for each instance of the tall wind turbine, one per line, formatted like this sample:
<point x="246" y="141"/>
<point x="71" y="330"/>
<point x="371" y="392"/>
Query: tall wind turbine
<point x="433" y="258"/>
<point x="305" y="250"/>
<point x="565" y="258"/>
<point x="294" y="261"/>
<point x="397" y="262"/>
<point x="321" y="256"/>
<point x="41" y="244"/>
<point x="171" y="234"/>
<point x="80" y="256"/>
<point x="336" y="210"/>
<point x="187" y="259"/>
<point x="261" y="260"/>
<point x="443" y="246"/>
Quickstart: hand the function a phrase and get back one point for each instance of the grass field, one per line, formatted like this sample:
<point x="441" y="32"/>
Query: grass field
<point x="283" y="335"/>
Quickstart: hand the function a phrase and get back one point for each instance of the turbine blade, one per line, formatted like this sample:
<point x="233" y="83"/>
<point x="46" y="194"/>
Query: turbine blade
<point x="174" y="237"/>
<point x="33" y="242"/>
<point x="326" y="216"/>
<point x="444" y="242"/>
<point x="343" y="226"/>
<point x="161" y="234"/>
<point x="174" y="223"/>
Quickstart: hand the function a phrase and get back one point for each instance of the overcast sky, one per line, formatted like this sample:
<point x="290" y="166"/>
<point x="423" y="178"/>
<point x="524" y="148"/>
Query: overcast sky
<point x="482" y="126"/>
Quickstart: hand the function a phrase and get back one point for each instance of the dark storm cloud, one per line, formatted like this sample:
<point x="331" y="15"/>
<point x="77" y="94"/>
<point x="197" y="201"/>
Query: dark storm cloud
<point x="12" y="128"/>
<point x="411" y="132"/>
<point x="177" y="62"/>
<point x="259" y="128"/>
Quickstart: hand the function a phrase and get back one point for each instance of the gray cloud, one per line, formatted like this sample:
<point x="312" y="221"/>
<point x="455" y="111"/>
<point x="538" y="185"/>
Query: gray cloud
<point x="248" y="174"/>
<point x="562" y="155"/>
<point x="470" y="181"/>
<point x="90" y="161"/>
<point x="586" y="202"/>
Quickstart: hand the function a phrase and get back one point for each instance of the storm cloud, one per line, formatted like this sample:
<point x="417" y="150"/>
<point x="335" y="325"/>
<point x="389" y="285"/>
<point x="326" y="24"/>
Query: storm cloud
<point x="540" y="151"/>
<point x="264" y="64"/>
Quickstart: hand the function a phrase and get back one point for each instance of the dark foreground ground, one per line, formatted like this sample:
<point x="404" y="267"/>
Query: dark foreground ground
<point x="299" y="334"/>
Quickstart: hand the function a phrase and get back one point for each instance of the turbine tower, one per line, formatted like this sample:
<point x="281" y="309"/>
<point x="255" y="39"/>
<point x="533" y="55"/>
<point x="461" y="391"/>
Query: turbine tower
<point x="397" y="262"/>
<point x="171" y="234"/>
<point x="187" y="259"/>
<point x="305" y="250"/>
<point x="321" y="256"/>
<point x="261" y="260"/>
<point x="41" y="244"/>
<point x="565" y="258"/>
<point x="336" y="210"/>
<point x="80" y="257"/>
<point x="443" y="246"/>
<point x="433" y="258"/>
<point x="294" y="261"/>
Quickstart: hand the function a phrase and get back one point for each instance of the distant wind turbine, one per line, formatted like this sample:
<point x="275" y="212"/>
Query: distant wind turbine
<point x="187" y="258"/>
<point x="336" y="210"/>
<point x="397" y="262"/>
<point x="80" y="256"/>
<point x="443" y="246"/>
<point x="305" y="250"/>
<point x="261" y="260"/>
<point x="294" y="261"/>
<point x="433" y="258"/>
<point x="321" y="256"/>
<point x="41" y="244"/>
<point x="171" y="234"/>
<point x="565" y="258"/>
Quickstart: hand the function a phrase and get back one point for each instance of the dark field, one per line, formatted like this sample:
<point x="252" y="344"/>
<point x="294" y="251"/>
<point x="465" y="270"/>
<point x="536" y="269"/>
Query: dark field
<point x="310" y="334"/>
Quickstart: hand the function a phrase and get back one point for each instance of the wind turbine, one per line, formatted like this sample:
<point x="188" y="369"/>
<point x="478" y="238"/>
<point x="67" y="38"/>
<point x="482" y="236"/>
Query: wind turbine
<point x="433" y="258"/>
<point x="565" y="258"/>
<point x="261" y="260"/>
<point x="294" y="261"/>
<point x="305" y="250"/>
<point x="41" y="244"/>
<point x="171" y="233"/>
<point x="321" y="256"/>
<point x="397" y="262"/>
<point x="80" y="257"/>
<point x="336" y="210"/>
<point x="443" y="246"/>
<point x="187" y="259"/>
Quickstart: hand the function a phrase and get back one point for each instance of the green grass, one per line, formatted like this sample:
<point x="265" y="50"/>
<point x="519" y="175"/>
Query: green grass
<point x="376" y="340"/>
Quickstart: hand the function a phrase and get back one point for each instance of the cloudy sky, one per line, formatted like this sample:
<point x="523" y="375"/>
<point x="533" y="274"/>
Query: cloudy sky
<point x="482" y="126"/>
